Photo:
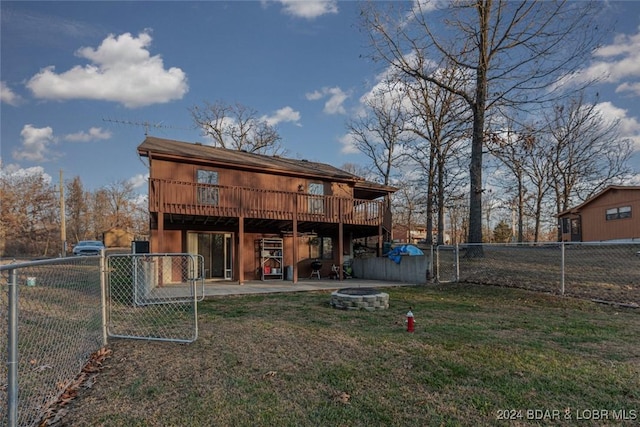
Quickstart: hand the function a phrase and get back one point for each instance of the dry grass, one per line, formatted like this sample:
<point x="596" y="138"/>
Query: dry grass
<point x="597" y="271"/>
<point x="291" y="360"/>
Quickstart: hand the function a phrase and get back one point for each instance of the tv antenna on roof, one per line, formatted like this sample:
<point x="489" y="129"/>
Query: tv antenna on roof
<point x="145" y="123"/>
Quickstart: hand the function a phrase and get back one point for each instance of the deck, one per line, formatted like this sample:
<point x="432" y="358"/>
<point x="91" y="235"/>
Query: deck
<point x="187" y="198"/>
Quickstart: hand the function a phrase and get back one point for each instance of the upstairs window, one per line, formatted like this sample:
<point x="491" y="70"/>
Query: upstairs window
<point x="207" y="193"/>
<point x="618" y="213"/>
<point x="316" y="199"/>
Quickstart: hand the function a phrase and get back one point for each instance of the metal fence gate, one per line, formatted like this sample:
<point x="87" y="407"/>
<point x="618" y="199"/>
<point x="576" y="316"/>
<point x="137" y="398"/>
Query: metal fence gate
<point x="154" y="296"/>
<point x="446" y="265"/>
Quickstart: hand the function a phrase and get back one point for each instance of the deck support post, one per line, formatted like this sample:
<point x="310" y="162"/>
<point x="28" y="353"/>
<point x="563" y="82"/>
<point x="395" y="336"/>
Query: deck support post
<point x="295" y="239"/>
<point x="160" y="247"/>
<point x="241" y="250"/>
<point x="340" y="243"/>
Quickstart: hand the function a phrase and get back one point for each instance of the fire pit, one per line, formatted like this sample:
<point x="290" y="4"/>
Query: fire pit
<point x="359" y="299"/>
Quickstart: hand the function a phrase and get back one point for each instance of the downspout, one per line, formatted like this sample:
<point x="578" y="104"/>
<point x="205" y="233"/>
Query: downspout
<point x="340" y="241"/>
<point x="294" y="267"/>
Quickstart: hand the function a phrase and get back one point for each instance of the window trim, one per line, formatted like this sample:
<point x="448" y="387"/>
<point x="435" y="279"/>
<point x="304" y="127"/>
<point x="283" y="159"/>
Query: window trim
<point x="206" y="189"/>
<point x="315" y="194"/>
<point x="323" y="247"/>
<point x="620" y="212"/>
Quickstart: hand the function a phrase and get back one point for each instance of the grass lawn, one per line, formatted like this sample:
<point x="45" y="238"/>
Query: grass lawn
<point x="480" y="356"/>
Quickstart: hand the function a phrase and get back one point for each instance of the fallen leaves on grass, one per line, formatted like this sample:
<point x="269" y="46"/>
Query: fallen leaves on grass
<point x="342" y="397"/>
<point x="54" y="411"/>
<point x="270" y="374"/>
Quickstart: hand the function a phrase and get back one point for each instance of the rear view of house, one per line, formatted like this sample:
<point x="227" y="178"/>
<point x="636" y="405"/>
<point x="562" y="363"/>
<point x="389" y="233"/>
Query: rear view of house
<point x="248" y="214"/>
<point x="612" y="214"/>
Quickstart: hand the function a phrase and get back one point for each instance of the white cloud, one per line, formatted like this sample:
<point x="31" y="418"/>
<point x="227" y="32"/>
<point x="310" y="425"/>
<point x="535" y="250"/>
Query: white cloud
<point x="286" y="114"/>
<point x="35" y="144"/>
<point x="94" y="134"/>
<point x="121" y="70"/>
<point x="314" y="96"/>
<point x="629" y="127"/>
<point x="335" y="101"/>
<point x="14" y="170"/>
<point x="7" y="96"/>
<point x="309" y="9"/>
<point x="629" y="87"/>
<point x="348" y="144"/>
<point x="139" y="180"/>
<point x="616" y="63"/>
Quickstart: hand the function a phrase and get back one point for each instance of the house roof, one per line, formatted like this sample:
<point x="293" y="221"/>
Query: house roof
<point x="608" y="189"/>
<point x="206" y="154"/>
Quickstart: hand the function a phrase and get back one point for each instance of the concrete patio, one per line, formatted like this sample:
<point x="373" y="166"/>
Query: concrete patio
<point x="221" y="288"/>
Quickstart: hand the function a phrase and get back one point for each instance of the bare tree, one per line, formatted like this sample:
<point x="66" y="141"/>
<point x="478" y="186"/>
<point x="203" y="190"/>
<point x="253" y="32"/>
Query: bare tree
<point x="514" y="150"/>
<point x="587" y="152"/>
<point x="29" y="213"/>
<point x="358" y="170"/>
<point x="77" y="209"/>
<point x="439" y="121"/>
<point x="408" y="208"/>
<point x="538" y="170"/>
<point x="490" y="202"/>
<point x="101" y="218"/>
<point x="509" y="51"/>
<point x="140" y="218"/>
<point x="380" y="133"/>
<point x="120" y="199"/>
<point x="458" y="213"/>
<point x="237" y="127"/>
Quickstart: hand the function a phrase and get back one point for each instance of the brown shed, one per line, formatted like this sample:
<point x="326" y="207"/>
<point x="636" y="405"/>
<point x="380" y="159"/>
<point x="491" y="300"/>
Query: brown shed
<point x="117" y="238"/>
<point x="612" y="214"/>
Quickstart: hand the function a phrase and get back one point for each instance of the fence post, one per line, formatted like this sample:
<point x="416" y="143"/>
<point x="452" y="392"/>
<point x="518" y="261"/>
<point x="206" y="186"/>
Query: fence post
<point x="12" y="351"/>
<point x="457" y="260"/>
<point x="561" y="268"/>
<point x="430" y="266"/>
<point x="437" y="266"/>
<point x="103" y="295"/>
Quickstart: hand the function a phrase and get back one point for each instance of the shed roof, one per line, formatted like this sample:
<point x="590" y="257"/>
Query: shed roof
<point x="206" y="154"/>
<point x="608" y="189"/>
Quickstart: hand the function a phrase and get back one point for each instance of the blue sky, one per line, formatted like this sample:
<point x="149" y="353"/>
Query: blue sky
<point x="68" y="67"/>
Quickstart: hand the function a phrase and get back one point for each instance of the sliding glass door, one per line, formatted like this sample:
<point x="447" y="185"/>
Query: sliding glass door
<point x="217" y="252"/>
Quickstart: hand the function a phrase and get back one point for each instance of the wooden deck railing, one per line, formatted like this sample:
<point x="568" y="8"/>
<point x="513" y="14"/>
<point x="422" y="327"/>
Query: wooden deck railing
<point x="216" y="200"/>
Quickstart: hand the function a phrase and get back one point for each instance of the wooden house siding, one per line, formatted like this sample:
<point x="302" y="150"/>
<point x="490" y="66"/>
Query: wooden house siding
<point x="181" y="172"/>
<point x="245" y="197"/>
<point x="592" y="216"/>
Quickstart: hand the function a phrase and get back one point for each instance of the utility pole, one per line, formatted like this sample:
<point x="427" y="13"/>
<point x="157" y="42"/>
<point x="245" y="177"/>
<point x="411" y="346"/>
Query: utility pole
<point x="63" y="224"/>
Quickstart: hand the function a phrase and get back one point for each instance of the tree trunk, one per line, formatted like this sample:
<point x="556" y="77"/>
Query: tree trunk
<point x="440" y="201"/>
<point x="477" y="142"/>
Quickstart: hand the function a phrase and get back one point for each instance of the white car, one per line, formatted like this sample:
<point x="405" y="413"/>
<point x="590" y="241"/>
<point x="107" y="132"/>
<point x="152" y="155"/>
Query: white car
<point x="88" y="247"/>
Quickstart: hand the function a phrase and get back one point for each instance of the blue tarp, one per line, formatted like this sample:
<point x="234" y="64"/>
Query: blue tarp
<point x="396" y="253"/>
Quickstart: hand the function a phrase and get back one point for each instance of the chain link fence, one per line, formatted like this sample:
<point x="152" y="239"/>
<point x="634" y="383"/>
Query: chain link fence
<point x="154" y="296"/>
<point x="599" y="271"/>
<point x="52" y="312"/>
<point x="57" y="313"/>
